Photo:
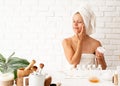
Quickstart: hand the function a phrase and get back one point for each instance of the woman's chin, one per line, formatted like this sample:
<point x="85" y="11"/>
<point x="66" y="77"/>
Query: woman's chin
<point x="76" y="32"/>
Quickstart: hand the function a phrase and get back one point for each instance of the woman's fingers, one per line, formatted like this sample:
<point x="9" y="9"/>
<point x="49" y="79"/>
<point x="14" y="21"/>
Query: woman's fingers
<point x="81" y="34"/>
<point x="82" y="30"/>
<point x="99" y="55"/>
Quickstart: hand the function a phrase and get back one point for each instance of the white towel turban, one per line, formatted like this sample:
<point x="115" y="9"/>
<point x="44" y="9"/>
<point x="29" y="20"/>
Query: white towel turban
<point x="88" y="18"/>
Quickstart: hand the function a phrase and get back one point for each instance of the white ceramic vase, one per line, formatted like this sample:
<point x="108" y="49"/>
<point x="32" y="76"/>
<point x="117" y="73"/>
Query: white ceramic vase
<point x="7" y="79"/>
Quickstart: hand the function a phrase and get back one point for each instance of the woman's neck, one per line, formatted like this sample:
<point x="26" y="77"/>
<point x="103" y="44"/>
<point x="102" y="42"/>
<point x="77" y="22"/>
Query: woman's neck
<point x="75" y="38"/>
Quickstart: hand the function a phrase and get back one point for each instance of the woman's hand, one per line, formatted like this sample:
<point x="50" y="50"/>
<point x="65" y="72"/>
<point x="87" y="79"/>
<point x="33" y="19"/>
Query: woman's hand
<point x="100" y="59"/>
<point x="99" y="55"/>
<point x="81" y="35"/>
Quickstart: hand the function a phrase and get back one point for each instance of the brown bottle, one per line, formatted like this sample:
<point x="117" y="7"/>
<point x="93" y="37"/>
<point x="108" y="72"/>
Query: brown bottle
<point x="116" y="78"/>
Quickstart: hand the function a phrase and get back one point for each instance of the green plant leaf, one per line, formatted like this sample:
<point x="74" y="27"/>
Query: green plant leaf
<point x="11" y="56"/>
<point x="12" y="64"/>
<point x="2" y="62"/>
<point x="2" y="59"/>
<point x="15" y="74"/>
<point x="13" y="60"/>
<point x="15" y="63"/>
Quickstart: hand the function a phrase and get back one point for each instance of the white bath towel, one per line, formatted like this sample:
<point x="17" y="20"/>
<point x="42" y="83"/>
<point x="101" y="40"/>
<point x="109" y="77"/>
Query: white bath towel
<point x="88" y="17"/>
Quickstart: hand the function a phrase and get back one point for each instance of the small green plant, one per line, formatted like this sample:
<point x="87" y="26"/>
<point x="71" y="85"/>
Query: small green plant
<point x="11" y="64"/>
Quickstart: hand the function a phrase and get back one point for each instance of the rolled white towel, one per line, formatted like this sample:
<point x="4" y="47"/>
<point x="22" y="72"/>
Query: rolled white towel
<point x="88" y="16"/>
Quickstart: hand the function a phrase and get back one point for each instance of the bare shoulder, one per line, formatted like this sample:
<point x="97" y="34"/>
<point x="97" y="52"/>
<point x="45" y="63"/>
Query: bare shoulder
<point x="95" y="42"/>
<point x="67" y="41"/>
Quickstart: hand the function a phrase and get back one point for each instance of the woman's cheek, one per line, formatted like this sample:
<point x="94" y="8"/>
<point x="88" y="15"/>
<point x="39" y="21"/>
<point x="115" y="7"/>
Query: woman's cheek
<point x="79" y="30"/>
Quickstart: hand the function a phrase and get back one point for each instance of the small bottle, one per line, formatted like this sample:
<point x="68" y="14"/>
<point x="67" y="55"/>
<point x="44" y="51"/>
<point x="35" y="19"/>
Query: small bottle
<point x="93" y="67"/>
<point x="89" y="67"/>
<point x="78" y="67"/>
<point x="115" y="78"/>
<point x="99" y="67"/>
<point x="83" y="67"/>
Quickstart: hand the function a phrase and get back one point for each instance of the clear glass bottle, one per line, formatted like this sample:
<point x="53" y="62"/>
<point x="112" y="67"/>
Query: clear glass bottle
<point x="89" y="67"/>
<point x="93" y="67"/>
<point x="99" y="67"/>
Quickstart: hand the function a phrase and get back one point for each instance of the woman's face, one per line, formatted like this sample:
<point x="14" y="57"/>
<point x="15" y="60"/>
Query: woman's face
<point x="77" y="23"/>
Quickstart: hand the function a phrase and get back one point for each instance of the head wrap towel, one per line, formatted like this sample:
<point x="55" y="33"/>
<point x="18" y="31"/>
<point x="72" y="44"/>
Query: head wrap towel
<point x="88" y="18"/>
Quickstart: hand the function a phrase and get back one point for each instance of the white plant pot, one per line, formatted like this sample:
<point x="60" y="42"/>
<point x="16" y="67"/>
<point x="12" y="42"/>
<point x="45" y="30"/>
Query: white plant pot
<point x="6" y="79"/>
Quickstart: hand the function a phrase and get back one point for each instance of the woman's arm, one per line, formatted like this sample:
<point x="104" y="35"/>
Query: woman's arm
<point x="73" y="56"/>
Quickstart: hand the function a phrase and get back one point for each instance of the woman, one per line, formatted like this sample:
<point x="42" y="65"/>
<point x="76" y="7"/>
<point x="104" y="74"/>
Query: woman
<point x="81" y="48"/>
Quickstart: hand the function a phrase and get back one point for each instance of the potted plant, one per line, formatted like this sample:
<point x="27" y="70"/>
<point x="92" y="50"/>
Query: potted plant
<point x="8" y="68"/>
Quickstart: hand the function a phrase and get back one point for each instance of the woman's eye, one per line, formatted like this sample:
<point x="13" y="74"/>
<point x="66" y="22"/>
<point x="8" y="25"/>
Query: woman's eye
<point x="79" y="22"/>
<point x="73" y="21"/>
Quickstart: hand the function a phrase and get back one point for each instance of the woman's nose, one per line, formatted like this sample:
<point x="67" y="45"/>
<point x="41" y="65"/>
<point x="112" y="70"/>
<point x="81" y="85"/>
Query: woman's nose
<point x="76" y="23"/>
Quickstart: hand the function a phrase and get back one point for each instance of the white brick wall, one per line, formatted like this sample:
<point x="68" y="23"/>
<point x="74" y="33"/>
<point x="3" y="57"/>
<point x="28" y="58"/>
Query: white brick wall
<point x="34" y="29"/>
